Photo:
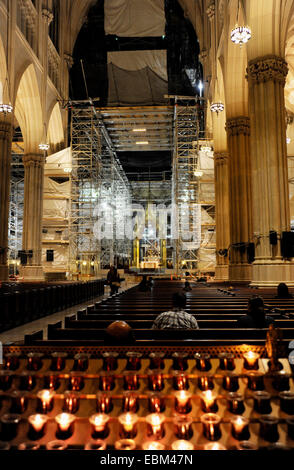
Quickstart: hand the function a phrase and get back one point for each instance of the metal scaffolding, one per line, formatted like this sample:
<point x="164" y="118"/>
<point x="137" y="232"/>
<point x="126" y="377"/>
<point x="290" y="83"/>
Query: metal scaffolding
<point x="16" y="207"/>
<point x="186" y="219"/>
<point x="98" y="183"/>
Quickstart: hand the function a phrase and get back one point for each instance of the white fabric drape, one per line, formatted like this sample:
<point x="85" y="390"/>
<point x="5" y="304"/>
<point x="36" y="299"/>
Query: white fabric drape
<point x="137" y="60"/>
<point x="134" y="18"/>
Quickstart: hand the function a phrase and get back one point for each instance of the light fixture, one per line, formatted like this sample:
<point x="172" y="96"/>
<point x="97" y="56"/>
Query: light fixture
<point x="142" y="142"/>
<point x="240" y="35"/>
<point x="67" y="170"/>
<point x="198" y="173"/>
<point x="6" y="108"/>
<point x="205" y="148"/>
<point x="139" y="129"/>
<point x="288" y="140"/>
<point x="200" y="86"/>
<point x="44" y="147"/>
<point x="217" y="107"/>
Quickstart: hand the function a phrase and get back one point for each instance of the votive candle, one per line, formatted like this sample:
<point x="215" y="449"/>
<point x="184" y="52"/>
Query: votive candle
<point x="226" y="361"/>
<point x="156" y="360"/>
<point x="203" y="362"/>
<point x="58" y="361"/>
<point x="19" y="401"/>
<point x="240" y="428"/>
<point x="211" y="426"/>
<point x="81" y="362"/>
<point x="231" y="382"/>
<point x="131" y="380"/>
<point x="95" y="445"/>
<point x="106" y="381"/>
<point x="205" y="382"/>
<point x="155" y="428"/>
<point x="156" y="403"/>
<point x="269" y="428"/>
<point x="262" y="402"/>
<point x="251" y="360"/>
<point x="11" y="361"/>
<point x="35" y="361"/>
<point x="208" y="402"/>
<point x="71" y="402"/>
<point x="180" y="380"/>
<point x="37" y="424"/>
<point x="183" y="402"/>
<point x="182" y="445"/>
<point x="45" y="400"/>
<point x="214" y="446"/>
<point x="65" y="425"/>
<point x="133" y="360"/>
<point x="180" y="361"/>
<point x="110" y="360"/>
<point x="128" y="423"/>
<point x="104" y="402"/>
<point x="155" y="380"/>
<point x="153" y="445"/>
<point x="125" y="444"/>
<point x="9" y="425"/>
<point x="76" y="381"/>
<point x="130" y="402"/>
<point x="99" y="424"/>
<point x="183" y="427"/>
<point x="236" y="403"/>
<point x="255" y="381"/>
<point x="287" y="402"/>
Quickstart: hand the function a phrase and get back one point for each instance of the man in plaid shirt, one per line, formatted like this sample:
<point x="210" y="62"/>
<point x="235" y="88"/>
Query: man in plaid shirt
<point x="176" y="318"/>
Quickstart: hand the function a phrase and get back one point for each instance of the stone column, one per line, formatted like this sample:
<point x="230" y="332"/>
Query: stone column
<point x="33" y="214"/>
<point x="5" y="163"/>
<point x="270" y="190"/>
<point x="238" y="132"/>
<point x="222" y="212"/>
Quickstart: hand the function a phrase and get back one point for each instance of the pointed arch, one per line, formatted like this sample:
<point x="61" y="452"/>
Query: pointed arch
<point x="55" y="135"/>
<point x="3" y="74"/>
<point x="28" y="110"/>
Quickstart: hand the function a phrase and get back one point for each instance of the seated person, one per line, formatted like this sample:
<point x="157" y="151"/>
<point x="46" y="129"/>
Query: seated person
<point x="150" y="282"/>
<point x="256" y="317"/>
<point x="144" y="286"/>
<point x="119" y="332"/>
<point x="283" y="292"/>
<point x="176" y="318"/>
<point x="187" y="287"/>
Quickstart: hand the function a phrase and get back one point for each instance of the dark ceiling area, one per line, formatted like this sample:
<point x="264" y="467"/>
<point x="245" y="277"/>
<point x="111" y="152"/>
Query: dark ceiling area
<point x="183" y="70"/>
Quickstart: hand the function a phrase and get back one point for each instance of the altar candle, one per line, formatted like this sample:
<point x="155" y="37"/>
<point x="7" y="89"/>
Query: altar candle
<point x="235" y="403"/>
<point x="128" y="423"/>
<point x="11" y="361"/>
<point x="182" y="445"/>
<point x="208" y="402"/>
<point x="155" y="380"/>
<point x="19" y="401"/>
<point x="99" y="423"/>
<point x="156" y="360"/>
<point x="153" y="445"/>
<point x="205" y="382"/>
<point x="110" y="360"/>
<point x="65" y="425"/>
<point x="106" y="381"/>
<point x="81" y="362"/>
<point x="287" y="402"/>
<point x="202" y="362"/>
<point x="183" y="427"/>
<point x="6" y="377"/>
<point x="262" y="402"/>
<point x="155" y="425"/>
<point x="183" y="402"/>
<point x="133" y="360"/>
<point x="125" y="444"/>
<point x="180" y="380"/>
<point x="156" y="403"/>
<point x="131" y="380"/>
<point x="45" y="400"/>
<point x="35" y="361"/>
<point x="180" y="361"/>
<point x="211" y="426"/>
<point x="269" y="428"/>
<point x="58" y="361"/>
<point x="251" y="360"/>
<point x="104" y="402"/>
<point x="214" y="446"/>
<point x="240" y="430"/>
<point x="130" y="402"/>
<point x="95" y="445"/>
<point x="71" y="401"/>
<point x="226" y="361"/>
<point x="76" y="382"/>
<point x="37" y="424"/>
<point x="9" y="425"/>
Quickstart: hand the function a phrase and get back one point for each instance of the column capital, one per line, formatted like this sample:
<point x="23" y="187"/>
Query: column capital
<point x="47" y="15"/>
<point x="33" y="159"/>
<point x="239" y="125"/>
<point x="267" y="68"/>
<point x="68" y="59"/>
<point x="211" y="11"/>
<point x="221" y="157"/>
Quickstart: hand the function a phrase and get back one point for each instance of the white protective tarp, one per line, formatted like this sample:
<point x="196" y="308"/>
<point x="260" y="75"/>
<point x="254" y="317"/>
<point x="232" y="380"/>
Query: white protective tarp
<point x="58" y="162"/>
<point x="207" y="259"/>
<point x="138" y="60"/>
<point x="56" y="199"/>
<point x="134" y="18"/>
<point x="60" y="256"/>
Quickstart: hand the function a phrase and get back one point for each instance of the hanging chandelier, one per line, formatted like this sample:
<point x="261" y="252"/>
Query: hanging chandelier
<point x="217" y="107"/>
<point x="240" y="34"/>
<point x="6" y="108"/>
<point x="44" y="147"/>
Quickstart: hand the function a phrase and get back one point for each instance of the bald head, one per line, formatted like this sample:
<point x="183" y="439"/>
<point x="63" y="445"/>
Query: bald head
<point x="119" y="332"/>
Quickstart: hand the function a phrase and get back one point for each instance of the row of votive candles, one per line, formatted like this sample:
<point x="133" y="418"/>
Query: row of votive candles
<point x="128" y="422"/>
<point x="110" y="361"/>
<point x="156" y="401"/>
<point x="156" y="380"/>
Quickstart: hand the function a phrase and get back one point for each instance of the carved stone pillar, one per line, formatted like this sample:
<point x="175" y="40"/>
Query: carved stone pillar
<point x="5" y="163"/>
<point x="222" y="212"/>
<point x="33" y="214"/>
<point x="238" y="132"/>
<point x="270" y="191"/>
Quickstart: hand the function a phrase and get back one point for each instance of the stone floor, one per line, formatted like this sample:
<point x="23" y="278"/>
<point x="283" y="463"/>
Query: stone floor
<point x="17" y="334"/>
